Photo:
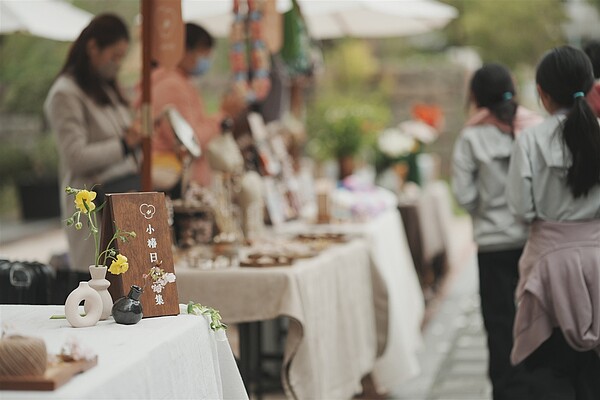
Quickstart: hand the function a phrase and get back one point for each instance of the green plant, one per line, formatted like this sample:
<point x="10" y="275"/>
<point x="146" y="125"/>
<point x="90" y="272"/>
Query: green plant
<point x="38" y="161"/>
<point x="84" y="206"/>
<point x="215" y="317"/>
<point x="44" y="157"/>
<point x="340" y="127"/>
<point x="13" y="161"/>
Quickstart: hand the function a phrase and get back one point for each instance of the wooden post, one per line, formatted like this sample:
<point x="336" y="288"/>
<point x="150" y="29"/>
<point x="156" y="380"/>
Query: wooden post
<point x="146" y="108"/>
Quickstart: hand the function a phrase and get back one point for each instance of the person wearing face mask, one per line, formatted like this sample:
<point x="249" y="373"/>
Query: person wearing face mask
<point x="90" y="117"/>
<point x="175" y="88"/>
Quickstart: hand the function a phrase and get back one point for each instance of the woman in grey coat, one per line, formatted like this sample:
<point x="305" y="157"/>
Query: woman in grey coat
<point x="480" y="164"/>
<point x="91" y="120"/>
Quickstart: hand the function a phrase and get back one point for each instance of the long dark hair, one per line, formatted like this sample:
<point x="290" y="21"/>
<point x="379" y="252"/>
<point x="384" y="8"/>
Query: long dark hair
<point x="106" y="29"/>
<point x="592" y="50"/>
<point x="492" y="87"/>
<point x="565" y="74"/>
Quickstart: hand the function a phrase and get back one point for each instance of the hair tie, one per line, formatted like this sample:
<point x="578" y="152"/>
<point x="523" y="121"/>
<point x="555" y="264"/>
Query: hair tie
<point x="507" y="96"/>
<point x="578" y="94"/>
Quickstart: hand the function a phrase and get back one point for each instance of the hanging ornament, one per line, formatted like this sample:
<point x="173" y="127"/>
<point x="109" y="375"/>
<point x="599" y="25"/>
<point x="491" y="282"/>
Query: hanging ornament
<point x="251" y="78"/>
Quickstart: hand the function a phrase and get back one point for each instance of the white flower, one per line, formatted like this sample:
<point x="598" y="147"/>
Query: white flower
<point x="419" y="130"/>
<point x="169" y="277"/>
<point x="394" y="143"/>
<point x="73" y="349"/>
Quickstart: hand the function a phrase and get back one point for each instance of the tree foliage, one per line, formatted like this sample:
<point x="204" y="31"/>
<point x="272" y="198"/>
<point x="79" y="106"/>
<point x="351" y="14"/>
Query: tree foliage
<point x="28" y="67"/>
<point x="509" y="31"/>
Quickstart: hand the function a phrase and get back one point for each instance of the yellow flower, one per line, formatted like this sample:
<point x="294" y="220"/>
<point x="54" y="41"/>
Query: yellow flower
<point x="119" y="266"/>
<point x="87" y="197"/>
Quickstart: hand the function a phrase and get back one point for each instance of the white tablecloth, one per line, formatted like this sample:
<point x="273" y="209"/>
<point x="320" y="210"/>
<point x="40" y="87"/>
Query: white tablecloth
<point x="332" y="339"/>
<point x="175" y="357"/>
<point x="398" y="298"/>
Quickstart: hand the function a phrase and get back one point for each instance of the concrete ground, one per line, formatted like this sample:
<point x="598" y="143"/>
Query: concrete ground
<point x="454" y="355"/>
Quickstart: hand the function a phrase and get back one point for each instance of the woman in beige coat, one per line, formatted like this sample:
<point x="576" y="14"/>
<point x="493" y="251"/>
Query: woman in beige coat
<point x="91" y="120"/>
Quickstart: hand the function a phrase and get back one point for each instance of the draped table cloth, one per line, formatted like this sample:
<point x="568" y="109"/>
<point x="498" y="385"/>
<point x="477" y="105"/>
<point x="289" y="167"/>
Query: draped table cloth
<point x="331" y="341"/>
<point x="398" y="299"/>
<point x="176" y="357"/>
<point x="355" y="309"/>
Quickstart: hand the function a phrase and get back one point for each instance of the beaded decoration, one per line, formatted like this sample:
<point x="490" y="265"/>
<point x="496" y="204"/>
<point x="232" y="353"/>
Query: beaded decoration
<point x="251" y="80"/>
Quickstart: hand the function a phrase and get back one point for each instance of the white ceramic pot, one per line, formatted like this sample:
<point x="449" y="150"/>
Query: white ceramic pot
<point x="100" y="284"/>
<point x="91" y="299"/>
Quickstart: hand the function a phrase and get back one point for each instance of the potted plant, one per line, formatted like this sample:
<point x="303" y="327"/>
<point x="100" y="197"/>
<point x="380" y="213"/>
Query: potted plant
<point x="341" y="128"/>
<point x="36" y="180"/>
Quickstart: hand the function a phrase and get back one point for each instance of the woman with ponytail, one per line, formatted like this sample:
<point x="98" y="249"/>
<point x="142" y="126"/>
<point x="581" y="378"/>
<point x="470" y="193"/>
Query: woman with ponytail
<point x="554" y="183"/>
<point x="480" y="165"/>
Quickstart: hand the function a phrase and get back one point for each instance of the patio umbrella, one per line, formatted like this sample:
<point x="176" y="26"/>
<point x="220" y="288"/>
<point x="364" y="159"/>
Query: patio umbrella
<point x="216" y="16"/>
<point x="329" y="19"/>
<point x="52" y="19"/>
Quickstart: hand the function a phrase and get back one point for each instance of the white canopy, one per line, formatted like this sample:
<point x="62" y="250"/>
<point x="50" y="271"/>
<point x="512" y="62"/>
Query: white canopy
<point x="216" y="16"/>
<point x="328" y="19"/>
<point x="52" y="19"/>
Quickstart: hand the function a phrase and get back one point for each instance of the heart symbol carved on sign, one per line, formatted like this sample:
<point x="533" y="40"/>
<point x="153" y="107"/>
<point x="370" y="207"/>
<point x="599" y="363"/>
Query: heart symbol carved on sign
<point x="147" y="210"/>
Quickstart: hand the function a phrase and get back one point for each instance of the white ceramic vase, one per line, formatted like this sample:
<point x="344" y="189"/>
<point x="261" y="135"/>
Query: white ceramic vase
<point x="100" y="284"/>
<point x="92" y="302"/>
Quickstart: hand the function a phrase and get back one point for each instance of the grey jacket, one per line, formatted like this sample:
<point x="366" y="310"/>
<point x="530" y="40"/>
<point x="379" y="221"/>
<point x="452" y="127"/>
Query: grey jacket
<point x="479" y="167"/>
<point x="90" y="149"/>
<point x="537" y="178"/>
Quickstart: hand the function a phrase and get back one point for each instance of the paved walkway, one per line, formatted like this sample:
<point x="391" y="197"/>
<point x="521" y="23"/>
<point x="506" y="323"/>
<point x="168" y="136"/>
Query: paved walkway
<point x="454" y="355"/>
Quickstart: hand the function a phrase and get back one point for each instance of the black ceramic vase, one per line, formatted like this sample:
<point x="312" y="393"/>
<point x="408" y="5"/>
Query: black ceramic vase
<point x="128" y="310"/>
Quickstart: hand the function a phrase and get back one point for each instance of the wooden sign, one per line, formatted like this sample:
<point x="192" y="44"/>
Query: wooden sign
<point x="168" y="33"/>
<point x="146" y="215"/>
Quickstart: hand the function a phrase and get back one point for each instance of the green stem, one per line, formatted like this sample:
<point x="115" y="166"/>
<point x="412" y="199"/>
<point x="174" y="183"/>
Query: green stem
<point x="108" y="246"/>
<point x="93" y="222"/>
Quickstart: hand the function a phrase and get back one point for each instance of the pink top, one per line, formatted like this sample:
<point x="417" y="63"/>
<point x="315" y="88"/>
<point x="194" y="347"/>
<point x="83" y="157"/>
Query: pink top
<point x="173" y="87"/>
<point x="593" y="99"/>
<point x="523" y="119"/>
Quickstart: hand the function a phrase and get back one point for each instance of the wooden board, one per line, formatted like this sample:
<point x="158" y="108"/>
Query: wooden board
<point x="56" y="375"/>
<point x="145" y="213"/>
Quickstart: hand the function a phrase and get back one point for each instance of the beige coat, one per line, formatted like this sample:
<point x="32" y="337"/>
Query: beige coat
<point x="90" y="149"/>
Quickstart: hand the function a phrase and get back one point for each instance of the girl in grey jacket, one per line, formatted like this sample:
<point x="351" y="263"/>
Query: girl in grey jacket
<point x="480" y="164"/>
<point x="554" y="182"/>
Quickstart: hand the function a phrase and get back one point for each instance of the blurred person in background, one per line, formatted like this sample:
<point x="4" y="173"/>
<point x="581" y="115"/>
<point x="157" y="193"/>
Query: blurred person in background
<point x="480" y="164"/>
<point x="554" y="183"/>
<point x="175" y="88"/>
<point x="592" y="50"/>
<point x="91" y="119"/>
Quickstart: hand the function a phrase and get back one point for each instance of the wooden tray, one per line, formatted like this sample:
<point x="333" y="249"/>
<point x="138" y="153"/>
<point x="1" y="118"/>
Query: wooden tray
<point x="280" y="261"/>
<point x="325" y="236"/>
<point x="56" y="375"/>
